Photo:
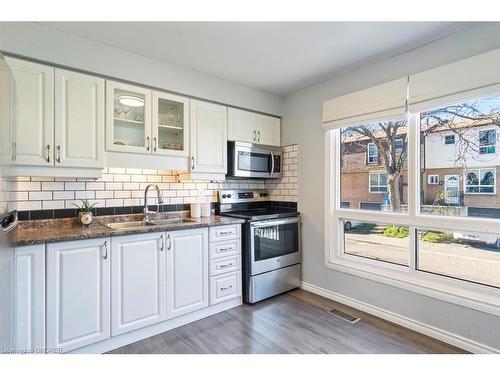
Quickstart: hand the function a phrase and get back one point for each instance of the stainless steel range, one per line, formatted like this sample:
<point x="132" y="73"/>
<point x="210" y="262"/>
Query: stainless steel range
<point x="271" y="243"/>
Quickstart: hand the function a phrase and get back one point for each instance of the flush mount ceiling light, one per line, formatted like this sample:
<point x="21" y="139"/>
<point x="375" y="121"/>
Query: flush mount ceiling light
<point x="131" y="101"/>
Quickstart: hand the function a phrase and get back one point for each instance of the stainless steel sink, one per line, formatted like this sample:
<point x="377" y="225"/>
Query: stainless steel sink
<point x="142" y="224"/>
<point x="172" y="221"/>
<point x="128" y="225"/>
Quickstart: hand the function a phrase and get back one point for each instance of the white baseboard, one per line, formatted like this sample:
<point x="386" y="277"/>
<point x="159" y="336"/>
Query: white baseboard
<point x="439" y="334"/>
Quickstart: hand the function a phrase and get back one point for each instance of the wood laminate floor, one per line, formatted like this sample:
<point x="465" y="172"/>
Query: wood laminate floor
<point x="295" y="322"/>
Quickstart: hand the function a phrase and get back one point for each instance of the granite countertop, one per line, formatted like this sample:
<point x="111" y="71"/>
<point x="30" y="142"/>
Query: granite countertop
<point x="33" y="232"/>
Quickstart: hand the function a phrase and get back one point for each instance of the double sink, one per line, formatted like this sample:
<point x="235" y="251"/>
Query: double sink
<point x="141" y="224"/>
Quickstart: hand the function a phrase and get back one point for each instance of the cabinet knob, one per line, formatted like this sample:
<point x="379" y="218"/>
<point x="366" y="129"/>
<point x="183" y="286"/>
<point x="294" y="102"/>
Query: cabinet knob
<point x="254" y="135"/>
<point x="147" y="143"/>
<point x="58" y="149"/>
<point x="154" y="144"/>
<point x="48" y="154"/>
<point x="192" y="162"/>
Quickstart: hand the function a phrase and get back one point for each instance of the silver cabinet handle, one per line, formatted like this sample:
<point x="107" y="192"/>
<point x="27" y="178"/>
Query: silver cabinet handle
<point x="254" y="135"/>
<point x="229" y="287"/>
<point x="48" y="154"/>
<point x="58" y="148"/>
<point x="13" y="151"/>
<point x="258" y="132"/>
<point x="105" y="250"/>
<point x="192" y="162"/>
<point x="224" y="249"/>
<point x="154" y="144"/>
<point x="162" y="242"/>
<point x="226" y="265"/>
<point x="169" y="243"/>
<point x="225" y="233"/>
<point x="147" y="143"/>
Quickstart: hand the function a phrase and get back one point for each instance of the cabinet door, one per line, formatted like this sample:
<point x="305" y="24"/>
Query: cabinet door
<point x="187" y="271"/>
<point x="170" y="124"/>
<point x="32" y="112"/>
<point x="138" y="285"/>
<point x="29" y="297"/>
<point x="208" y="137"/>
<point x="269" y="131"/>
<point x="79" y="120"/>
<point x="78" y="293"/>
<point x="128" y="118"/>
<point x="242" y="125"/>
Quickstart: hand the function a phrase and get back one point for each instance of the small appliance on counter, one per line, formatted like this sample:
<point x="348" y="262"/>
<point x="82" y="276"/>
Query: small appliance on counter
<point x="8" y="221"/>
<point x="271" y="250"/>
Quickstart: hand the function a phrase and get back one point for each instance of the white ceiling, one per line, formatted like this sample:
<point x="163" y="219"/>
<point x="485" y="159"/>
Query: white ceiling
<point x="278" y="57"/>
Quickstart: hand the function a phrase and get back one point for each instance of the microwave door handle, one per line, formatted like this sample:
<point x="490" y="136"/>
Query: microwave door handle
<point x="272" y="164"/>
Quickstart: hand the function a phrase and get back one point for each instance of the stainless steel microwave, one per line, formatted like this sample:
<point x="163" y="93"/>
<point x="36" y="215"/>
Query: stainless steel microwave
<point x="248" y="160"/>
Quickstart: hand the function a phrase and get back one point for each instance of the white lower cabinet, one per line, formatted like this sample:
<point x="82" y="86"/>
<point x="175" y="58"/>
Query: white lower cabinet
<point x="138" y="282"/>
<point x="29" y="298"/>
<point x="187" y="271"/>
<point x="78" y="293"/>
<point x="225" y="263"/>
<point x="225" y="287"/>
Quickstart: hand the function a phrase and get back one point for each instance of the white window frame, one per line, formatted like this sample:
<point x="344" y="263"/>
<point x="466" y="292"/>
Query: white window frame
<point x="450" y="135"/>
<point x="433" y="176"/>
<point x="494" y="144"/>
<point x="368" y="153"/>
<point x="479" y="180"/>
<point x="378" y="173"/>
<point x="462" y="292"/>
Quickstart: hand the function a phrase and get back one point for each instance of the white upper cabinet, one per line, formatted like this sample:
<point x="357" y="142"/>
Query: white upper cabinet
<point x="138" y="285"/>
<point x="245" y="126"/>
<point x="170" y="126"/>
<point x="79" y="120"/>
<point x="32" y="91"/>
<point x="78" y="293"/>
<point x="128" y="118"/>
<point x="187" y="271"/>
<point x="208" y="140"/>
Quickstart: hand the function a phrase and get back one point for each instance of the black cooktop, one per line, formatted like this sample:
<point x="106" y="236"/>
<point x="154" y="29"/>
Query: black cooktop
<point x="262" y="213"/>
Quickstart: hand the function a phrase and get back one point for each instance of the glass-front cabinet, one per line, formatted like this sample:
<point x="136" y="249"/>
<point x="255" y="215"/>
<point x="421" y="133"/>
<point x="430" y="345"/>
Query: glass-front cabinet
<point x="140" y="120"/>
<point x="128" y="126"/>
<point x="170" y="124"/>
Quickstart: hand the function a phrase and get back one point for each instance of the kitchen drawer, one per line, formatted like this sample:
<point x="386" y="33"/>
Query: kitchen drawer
<point x="225" y="265"/>
<point x="224" y="249"/>
<point x="224" y="233"/>
<point x="225" y="287"/>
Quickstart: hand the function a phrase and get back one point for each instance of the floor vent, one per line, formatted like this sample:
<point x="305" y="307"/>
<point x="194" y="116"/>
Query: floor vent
<point x="345" y="316"/>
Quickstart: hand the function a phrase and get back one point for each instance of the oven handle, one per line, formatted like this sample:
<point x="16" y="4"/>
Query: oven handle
<point x="268" y="223"/>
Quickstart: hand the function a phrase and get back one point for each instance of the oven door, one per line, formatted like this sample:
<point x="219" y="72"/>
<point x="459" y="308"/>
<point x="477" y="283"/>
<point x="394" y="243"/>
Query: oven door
<point x="255" y="161"/>
<point x="274" y="244"/>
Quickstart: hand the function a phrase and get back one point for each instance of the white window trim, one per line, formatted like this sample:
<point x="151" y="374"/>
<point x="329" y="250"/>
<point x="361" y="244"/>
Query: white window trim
<point x="492" y="145"/>
<point x="460" y="292"/>
<point x="368" y="154"/>
<point x="429" y="177"/>
<point x="450" y="135"/>
<point x="479" y="179"/>
<point x="370" y="182"/>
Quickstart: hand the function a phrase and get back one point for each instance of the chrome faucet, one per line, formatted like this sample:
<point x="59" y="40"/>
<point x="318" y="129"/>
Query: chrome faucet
<point x="146" y="211"/>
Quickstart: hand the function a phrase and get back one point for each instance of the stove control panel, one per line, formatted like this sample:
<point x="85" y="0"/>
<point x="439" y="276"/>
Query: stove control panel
<point x="240" y="196"/>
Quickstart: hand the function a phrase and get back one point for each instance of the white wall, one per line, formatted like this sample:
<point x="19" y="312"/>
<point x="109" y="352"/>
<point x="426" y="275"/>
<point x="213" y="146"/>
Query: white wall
<point x="302" y="125"/>
<point x="40" y="42"/>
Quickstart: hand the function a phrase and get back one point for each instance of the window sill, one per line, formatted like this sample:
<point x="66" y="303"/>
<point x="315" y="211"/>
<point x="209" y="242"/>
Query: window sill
<point x="462" y="293"/>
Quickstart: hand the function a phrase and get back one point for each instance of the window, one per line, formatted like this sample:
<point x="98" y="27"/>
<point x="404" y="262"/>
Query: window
<point x="372" y="153"/>
<point x="401" y="234"/>
<point x="449" y="139"/>
<point x="378" y="182"/>
<point x="359" y="180"/>
<point x="487" y="141"/>
<point x="433" y="179"/>
<point x="480" y="181"/>
<point x="398" y="144"/>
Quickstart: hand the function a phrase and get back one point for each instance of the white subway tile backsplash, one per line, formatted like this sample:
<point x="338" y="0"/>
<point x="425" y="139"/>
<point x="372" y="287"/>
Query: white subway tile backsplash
<point x="125" y="187"/>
